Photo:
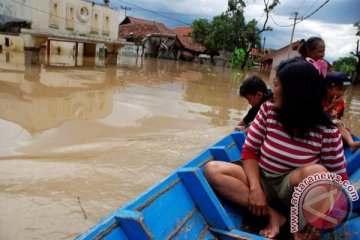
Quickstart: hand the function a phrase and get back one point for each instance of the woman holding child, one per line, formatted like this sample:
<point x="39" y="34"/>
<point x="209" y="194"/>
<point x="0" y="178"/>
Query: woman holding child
<point x="289" y="140"/>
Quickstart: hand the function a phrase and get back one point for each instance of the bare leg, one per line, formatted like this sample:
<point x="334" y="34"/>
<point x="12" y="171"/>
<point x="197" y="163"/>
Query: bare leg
<point x="230" y="181"/>
<point x="297" y="177"/>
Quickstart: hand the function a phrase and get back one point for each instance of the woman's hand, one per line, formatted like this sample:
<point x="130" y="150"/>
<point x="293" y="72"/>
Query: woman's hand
<point x="257" y="202"/>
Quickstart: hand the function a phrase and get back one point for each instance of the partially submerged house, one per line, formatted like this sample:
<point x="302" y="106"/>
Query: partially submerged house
<point x="190" y="49"/>
<point x="155" y="39"/>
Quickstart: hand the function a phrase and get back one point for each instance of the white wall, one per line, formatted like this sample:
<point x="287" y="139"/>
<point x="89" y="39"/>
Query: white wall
<point x="15" y="42"/>
<point x="282" y="55"/>
<point x="45" y="20"/>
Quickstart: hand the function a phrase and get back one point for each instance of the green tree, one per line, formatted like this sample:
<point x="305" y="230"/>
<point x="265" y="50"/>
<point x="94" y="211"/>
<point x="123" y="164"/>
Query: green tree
<point x="201" y="29"/>
<point x="346" y="65"/>
<point x="229" y="30"/>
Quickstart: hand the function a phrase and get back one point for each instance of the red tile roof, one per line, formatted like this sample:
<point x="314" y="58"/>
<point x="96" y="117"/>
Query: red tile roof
<point x="139" y="28"/>
<point x="135" y="20"/>
<point x="183" y="31"/>
<point x="189" y="44"/>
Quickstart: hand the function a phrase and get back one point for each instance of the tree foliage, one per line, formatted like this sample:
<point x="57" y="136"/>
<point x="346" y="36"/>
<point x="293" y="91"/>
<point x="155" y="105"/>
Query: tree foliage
<point x="346" y="65"/>
<point x="229" y="30"/>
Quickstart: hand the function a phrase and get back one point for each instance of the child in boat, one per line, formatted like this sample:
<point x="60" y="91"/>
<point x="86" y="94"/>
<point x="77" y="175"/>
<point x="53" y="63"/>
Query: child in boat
<point x="256" y="93"/>
<point x="334" y="106"/>
<point x="313" y="50"/>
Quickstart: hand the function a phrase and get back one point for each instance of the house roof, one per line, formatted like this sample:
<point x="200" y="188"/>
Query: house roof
<point x="140" y="28"/>
<point x="183" y="31"/>
<point x="190" y="45"/>
<point x="135" y="20"/>
<point x="294" y="45"/>
<point x="184" y="35"/>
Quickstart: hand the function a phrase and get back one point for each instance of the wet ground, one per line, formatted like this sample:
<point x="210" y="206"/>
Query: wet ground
<point x="94" y="137"/>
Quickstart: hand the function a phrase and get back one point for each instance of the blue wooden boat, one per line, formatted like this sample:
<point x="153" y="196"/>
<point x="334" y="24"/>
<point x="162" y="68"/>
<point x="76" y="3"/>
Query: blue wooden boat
<point x="184" y="206"/>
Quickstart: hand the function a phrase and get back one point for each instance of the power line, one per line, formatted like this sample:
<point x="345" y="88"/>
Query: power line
<point x="156" y="13"/>
<point x="311" y="7"/>
<point x="126" y="9"/>
<point x="315" y="10"/>
<point x="303" y="18"/>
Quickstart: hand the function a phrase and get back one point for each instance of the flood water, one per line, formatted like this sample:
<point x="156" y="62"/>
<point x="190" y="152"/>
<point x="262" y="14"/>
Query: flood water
<point x="95" y="136"/>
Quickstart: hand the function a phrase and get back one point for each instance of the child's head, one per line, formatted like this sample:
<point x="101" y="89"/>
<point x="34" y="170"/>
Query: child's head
<point x="313" y="48"/>
<point x="253" y="89"/>
<point x="336" y="83"/>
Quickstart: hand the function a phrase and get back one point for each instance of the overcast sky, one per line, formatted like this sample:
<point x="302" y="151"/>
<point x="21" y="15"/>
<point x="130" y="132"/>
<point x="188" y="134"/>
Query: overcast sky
<point x="333" y="22"/>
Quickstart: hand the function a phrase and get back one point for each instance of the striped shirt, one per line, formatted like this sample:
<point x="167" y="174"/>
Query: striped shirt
<point x="277" y="152"/>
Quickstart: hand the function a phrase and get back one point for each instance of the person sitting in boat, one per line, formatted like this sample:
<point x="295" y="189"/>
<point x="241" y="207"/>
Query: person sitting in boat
<point x="313" y="50"/>
<point x="334" y="106"/>
<point x="255" y="91"/>
<point x="290" y="139"/>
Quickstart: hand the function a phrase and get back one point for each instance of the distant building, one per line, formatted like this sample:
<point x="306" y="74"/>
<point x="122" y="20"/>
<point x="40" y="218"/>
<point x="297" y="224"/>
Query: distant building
<point x="155" y="39"/>
<point x="190" y="49"/>
<point x="270" y="61"/>
<point x="41" y="21"/>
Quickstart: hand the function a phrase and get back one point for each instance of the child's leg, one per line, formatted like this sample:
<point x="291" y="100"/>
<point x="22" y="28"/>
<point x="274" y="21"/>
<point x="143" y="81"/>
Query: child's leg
<point x="346" y="135"/>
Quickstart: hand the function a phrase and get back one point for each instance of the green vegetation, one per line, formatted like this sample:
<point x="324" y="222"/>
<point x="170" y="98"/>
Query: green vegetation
<point x="346" y="65"/>
<point x="229" y="31"/>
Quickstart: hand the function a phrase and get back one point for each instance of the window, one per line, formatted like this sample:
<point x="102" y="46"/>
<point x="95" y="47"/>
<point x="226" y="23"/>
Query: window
<point x="7" y="42"/>
<point x="54" y="13"/>
<point x="94" y="22"/>
<point x="69" y="16"/>
<point x="106" y="25"/>
<point x="83" y="14"/>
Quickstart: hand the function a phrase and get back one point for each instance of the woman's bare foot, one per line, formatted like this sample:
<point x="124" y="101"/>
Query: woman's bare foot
<point x="354" y="146"/>
<point x="276" y="221"/>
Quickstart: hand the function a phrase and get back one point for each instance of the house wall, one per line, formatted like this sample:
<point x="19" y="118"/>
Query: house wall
<point x="11" y="42"/>
<point x="65" y="17"/>
<point x="280" y="56"/>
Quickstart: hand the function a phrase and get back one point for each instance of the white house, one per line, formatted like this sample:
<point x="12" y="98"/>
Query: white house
<point x="272" y="60"/>
<point x="68" y="20"/>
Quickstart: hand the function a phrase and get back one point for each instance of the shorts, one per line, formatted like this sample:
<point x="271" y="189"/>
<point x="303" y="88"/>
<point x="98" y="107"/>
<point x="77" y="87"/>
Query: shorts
<point x="276" y="186"/>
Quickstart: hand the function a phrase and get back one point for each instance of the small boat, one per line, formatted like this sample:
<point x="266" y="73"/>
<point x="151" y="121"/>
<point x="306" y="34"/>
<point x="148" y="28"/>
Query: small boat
<point x="184" y="206"/>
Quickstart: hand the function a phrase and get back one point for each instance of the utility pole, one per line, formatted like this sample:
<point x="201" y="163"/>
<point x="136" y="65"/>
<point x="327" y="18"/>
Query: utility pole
<point x="292" y="34"/>
<point x="126" y="9"/>
<point x="263" y="52"/>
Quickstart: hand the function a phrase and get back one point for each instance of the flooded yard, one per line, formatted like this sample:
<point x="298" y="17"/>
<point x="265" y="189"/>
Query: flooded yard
<point x="95" y="136"/>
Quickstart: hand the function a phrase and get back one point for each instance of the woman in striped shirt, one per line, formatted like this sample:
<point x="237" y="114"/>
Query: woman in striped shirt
<point x="289" y="140"/>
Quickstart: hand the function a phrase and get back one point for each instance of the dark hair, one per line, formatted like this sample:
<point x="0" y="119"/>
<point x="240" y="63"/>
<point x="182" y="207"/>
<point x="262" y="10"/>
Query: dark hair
<point x="252" y="85"/>
<point x="308" y="45"/>
<point x="303" y="92"/>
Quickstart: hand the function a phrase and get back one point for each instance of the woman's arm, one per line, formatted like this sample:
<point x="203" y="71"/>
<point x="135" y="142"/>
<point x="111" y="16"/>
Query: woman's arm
<point x="257" y="201"/>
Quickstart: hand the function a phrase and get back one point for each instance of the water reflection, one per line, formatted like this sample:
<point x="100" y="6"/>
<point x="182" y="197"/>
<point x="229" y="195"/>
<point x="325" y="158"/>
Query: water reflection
<point x="42" y="97"/>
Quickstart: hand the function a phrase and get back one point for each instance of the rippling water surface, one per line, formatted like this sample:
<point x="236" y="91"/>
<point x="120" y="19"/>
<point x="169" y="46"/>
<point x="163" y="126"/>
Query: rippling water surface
<point x="98" y="136"/>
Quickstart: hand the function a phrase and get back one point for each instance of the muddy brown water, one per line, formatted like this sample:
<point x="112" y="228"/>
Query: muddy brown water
<point x="102" y="135"/>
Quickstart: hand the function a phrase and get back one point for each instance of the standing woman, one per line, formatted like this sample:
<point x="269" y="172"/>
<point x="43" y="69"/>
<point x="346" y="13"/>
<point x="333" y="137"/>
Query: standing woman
<point x="289" y="140"/>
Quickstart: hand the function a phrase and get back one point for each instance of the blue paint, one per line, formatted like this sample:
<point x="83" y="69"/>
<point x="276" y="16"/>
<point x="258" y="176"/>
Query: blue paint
<point x="184" y="206"/>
